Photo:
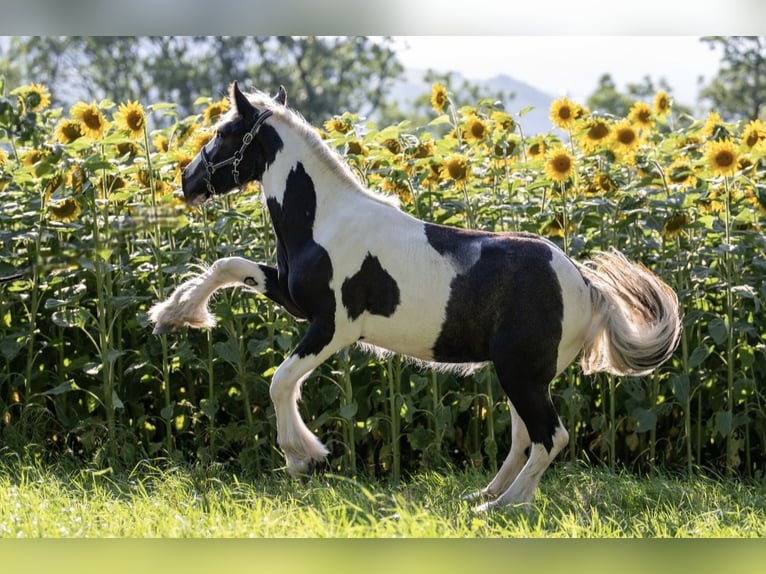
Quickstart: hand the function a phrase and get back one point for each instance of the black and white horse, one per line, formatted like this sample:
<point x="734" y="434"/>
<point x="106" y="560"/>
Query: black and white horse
<point x="360" y="270"/>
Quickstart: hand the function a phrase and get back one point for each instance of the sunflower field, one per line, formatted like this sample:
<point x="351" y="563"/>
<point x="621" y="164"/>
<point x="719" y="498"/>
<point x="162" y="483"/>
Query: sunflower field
<point x="93" y="235"/>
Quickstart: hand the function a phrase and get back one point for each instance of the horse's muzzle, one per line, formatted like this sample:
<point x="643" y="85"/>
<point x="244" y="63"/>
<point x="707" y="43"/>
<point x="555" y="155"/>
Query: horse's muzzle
<point x="194" y="184"/>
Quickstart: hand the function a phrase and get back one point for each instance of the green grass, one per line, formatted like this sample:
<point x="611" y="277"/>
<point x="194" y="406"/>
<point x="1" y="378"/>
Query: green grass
<point x="573" y="501"/>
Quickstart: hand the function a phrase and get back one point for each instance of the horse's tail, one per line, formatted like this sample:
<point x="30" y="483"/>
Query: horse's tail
<point x="636" y="319"/>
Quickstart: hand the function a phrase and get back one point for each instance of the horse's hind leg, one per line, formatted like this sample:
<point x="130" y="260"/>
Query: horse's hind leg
<point x="526" y="383"/>
<point x="513" y="463"/>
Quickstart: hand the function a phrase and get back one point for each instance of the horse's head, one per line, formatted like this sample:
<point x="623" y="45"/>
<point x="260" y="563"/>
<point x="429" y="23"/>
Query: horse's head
<point x="239" y="152"/>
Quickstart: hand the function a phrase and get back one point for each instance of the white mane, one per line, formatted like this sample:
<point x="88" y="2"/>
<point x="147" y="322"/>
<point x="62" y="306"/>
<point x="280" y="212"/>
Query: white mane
<point x="282" y="116"/>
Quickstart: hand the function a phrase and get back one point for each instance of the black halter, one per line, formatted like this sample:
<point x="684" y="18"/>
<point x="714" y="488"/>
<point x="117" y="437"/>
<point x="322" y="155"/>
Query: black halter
<point x="234" y="160"/>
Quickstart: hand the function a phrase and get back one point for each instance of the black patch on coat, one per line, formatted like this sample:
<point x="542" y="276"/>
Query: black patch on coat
<point x="304" y="265"/>
<point x="276" y="290"/>
<point x="267" y="145"/>
<point x="507" y="308"/>
<point x="370" y="289"/>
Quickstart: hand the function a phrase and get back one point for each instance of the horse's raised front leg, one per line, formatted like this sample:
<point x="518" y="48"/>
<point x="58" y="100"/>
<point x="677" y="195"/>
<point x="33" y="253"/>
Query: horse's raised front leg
<point x="188" y="304"/>
<point x="301" y="447"/>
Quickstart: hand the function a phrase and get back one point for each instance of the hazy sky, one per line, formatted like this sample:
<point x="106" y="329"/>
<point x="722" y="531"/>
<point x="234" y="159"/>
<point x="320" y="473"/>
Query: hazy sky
<point x="568" y="65"/>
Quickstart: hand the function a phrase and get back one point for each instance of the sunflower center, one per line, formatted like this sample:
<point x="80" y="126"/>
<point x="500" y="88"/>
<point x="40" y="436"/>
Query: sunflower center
<point x="598" y="131"/>
<point x="71" y="131"/>
<point x="91" y="119"/>
<point x="456" y="169"/>
<point x="561" y="163"/>
<point x="477" y="130"/>
<point x="724" y="158"/>
<point x="135" y="120"/>
<point x="626" y="136"/>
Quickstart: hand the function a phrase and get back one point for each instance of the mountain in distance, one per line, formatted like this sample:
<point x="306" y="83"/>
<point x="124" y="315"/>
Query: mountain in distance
<point x="536" y="121"/>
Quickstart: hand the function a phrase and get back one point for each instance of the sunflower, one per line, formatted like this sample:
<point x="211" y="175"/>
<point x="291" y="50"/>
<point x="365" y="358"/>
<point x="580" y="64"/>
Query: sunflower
<point x="425" y="148"/>
<point x="75" y="178"/>
<point x="556" y="227"/>
<point x="625" y="137"/>
<point x="559" y="165"/>
<point x="563" y="113"/>
<point x="199" y="140"/>
<point x="456" y="168"/>
<point x="66" y="210"/>
<point x="182" y="159"/>
<point x="53" y="185"/>
<point x="757" y="199"/>
<point x="506" y="147"/>
<point x="337" y="124"/>
<point x="661" y="103"/>
<point x="474" y="129"/>
<point x="595" y="134"/>
<point x="434" y="171"/>
<point x="215" y="110"/>
<point x="754" y="133"/>
<point x="713" y="123"/>
<point x="93" y="123"/>
<point x="161" y="143"/>
<point x="31" y="157"/>
<point x="721" y="157"/>
<point x="68" y="131"/>
<point x="674" y="225"/>
<point x="34" y="96"/>
<point x="438" y="97"/>
<point x="681" y="173"/>
<point x="131" y="118"/>
<point x="397" y="183"/>
<point x="503" y="120"/>
<point x="712" y="203"/>
<point x="356" y="147"/>
<point x="641" y="115"/>
<point x="3" y="156"/>
<point x="127" y="148"/>
<point x="393" y="145"/>
<point x="605" y="183"/>
<point x="536" y="148"/>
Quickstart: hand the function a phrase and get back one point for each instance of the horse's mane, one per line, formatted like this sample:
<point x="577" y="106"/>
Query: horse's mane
<point x="296" y="122"/>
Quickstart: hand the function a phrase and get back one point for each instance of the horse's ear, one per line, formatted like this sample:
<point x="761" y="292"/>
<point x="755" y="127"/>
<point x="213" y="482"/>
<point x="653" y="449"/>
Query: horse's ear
<point x="240" y="102"/>
<point x="281" y="97"/>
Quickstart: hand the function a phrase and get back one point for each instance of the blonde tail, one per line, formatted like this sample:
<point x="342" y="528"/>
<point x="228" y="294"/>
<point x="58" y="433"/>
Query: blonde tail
<point x="637" y="322"/>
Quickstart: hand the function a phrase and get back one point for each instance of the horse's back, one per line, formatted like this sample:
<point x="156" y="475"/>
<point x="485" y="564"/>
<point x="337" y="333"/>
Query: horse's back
<point x="466" y="296"/>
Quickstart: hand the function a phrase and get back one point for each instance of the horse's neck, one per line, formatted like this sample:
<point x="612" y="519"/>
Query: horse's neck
<point x="328" y="179"/>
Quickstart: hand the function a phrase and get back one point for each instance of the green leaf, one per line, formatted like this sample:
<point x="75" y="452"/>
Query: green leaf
<point x="209" y="407"/>
<point x="698" y="356"/>
<point x="719" y="332"/>
<point x="167" y="412"/>
<point x="349" y="411"/>
<point x="723" y="423"/>
<point x="228" y="351"/>
<point x="71" y="318"/>
<point x="680" y="384"/>
<point x="646" y="419"/>
<point x="440" y="120"/>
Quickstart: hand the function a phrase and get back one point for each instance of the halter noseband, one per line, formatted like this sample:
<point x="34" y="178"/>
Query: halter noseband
<point x="234" y="160"/>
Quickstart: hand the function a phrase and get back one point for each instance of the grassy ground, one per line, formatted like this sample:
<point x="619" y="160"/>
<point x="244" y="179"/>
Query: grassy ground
<point x="573" y="501"/>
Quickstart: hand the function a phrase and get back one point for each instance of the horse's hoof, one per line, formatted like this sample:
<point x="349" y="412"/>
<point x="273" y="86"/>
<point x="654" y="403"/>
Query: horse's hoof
<point x="478" y="495"/>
